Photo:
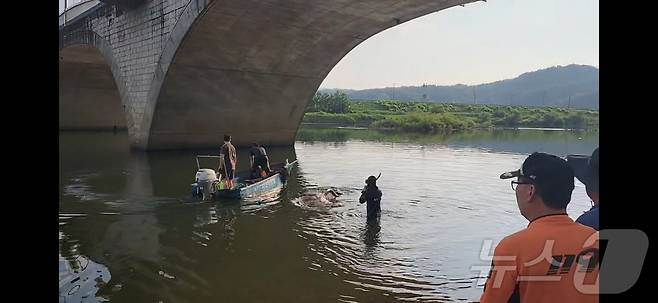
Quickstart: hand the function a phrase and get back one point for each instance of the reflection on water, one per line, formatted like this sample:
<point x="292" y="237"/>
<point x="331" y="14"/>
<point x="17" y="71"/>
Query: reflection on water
<point x="371" y="234"/>
<point x="131" y="215"/>
<point x="79" y="277"/>
<point x="498" y="140"/>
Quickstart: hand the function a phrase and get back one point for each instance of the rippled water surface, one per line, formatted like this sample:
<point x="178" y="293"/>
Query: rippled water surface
<point x="130" y="231"/>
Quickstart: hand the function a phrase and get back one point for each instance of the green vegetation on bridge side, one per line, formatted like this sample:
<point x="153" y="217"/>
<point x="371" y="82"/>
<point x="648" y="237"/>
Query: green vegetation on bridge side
<point x="337" y="109"/>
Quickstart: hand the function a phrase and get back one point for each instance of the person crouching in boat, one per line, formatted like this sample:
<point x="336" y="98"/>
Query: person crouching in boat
<point x="258" y="159"/>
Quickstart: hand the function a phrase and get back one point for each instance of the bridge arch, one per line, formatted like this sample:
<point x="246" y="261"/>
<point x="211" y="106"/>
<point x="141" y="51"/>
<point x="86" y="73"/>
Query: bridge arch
<point x="90" y="85"/>
<point x="249" y="68"/>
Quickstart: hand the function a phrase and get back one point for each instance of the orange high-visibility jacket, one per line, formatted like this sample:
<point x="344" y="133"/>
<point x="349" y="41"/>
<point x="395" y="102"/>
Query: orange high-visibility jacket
<point x="553" y="260"/>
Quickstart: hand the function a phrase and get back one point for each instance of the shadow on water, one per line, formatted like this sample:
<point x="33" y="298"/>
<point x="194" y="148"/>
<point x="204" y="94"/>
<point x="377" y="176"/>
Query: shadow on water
<point x="130" y="212"/>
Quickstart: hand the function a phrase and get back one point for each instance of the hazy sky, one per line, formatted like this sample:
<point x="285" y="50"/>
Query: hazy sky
<point x="479" y="43"/>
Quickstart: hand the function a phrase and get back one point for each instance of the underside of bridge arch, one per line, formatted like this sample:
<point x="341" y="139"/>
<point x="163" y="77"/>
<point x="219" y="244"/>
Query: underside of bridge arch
<point x="249" y="67"/>
<point x="88" y="95"/>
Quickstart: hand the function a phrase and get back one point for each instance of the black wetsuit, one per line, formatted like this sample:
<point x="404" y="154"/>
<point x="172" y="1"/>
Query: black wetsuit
<point x="373" y="196"/>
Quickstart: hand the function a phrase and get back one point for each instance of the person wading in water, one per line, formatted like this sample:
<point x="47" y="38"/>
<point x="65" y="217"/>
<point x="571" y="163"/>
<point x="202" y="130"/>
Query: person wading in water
<point x="373" y="196"/>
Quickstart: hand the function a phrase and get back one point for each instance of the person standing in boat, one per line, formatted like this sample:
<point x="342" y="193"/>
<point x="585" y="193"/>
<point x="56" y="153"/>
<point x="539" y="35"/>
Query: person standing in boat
<point x="258" y="158"/>
<point x="373" y="196"/>
<point x="228" y="160"/>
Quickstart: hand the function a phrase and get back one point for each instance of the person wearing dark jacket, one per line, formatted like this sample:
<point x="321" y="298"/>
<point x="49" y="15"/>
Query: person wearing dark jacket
<point x="373" y="196"/>
<point x="258" y="158"/>
<point x="586" y="169"/>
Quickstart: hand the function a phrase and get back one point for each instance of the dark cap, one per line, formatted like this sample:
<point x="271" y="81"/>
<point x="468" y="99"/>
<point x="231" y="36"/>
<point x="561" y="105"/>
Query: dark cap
<point x="586" y="169"/>
<point x="541" y="167"/>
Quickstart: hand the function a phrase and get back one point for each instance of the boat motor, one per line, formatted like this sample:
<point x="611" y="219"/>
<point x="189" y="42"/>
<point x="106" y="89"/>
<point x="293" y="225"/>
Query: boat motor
<point x="204" y="186"/>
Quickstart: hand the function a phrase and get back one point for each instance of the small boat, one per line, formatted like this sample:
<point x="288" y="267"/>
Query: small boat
<point x="209" y="187"/>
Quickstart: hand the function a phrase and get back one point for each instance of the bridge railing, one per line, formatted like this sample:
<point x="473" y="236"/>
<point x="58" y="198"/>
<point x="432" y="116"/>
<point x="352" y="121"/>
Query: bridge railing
<point x="70" y="13"/>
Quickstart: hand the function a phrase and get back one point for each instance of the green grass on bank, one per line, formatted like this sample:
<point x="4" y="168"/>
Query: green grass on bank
<point x="433" y="117"/>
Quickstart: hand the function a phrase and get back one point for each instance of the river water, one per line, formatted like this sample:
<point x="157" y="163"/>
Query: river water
<point x="131" y="232"/>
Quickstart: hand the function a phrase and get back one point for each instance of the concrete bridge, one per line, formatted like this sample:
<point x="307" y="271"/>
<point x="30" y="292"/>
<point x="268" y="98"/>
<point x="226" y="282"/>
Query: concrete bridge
<point x="181" y="73"/>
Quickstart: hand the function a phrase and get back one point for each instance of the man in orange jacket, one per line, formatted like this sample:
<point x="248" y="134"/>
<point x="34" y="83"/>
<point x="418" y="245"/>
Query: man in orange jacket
<point x="554" y="259"/>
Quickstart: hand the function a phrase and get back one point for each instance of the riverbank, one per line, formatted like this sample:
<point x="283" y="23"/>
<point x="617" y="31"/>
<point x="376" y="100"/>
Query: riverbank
<point x="426" y="117"/>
